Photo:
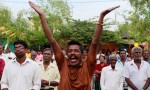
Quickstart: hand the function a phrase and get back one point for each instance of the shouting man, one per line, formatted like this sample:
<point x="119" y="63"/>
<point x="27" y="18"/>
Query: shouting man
<point x="75" y="73"/>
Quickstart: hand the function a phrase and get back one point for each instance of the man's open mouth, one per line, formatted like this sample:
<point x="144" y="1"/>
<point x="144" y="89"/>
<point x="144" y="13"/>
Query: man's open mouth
<point x="73" y="59"/>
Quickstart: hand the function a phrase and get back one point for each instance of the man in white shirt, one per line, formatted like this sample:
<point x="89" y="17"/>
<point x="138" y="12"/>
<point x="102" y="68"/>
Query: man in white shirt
<point x="121" y="62"/>
<point x="111" y="76"/>
<point x="22" y="73"/>
<point x="49" y="71"/>
<point x="137" y="71"/>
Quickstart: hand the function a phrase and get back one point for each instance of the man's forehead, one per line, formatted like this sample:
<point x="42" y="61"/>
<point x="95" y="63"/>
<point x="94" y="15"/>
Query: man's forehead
<point x="137" y="50"/>
<point x="18" y="45"/>
<point x="73" y="47"/>
<point x="145" y="52"/>
<point x="47" y="51"/>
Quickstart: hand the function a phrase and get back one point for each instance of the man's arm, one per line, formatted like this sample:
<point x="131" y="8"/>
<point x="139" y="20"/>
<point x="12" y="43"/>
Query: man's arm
<point x="56" y="48"/>
<point x="146" y="84"/>
<point x="130" y="84"/>
<point x="49" y="83"/>
<point x="148" y="80"/>
<point x="5" y="89"/>
<point x="92" y="50"/>
<point x="126" y="75"/>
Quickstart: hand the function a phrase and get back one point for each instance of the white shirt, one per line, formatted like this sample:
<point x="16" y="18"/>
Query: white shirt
<point x="111" y="79"/>
<point x="23" y="76"/>
<point x="11" y="55"/>
<point x="4" y="57"/>
<point x="137" y="76"/>
<point x="120" y="64"/>
<point x="50" y="74"/>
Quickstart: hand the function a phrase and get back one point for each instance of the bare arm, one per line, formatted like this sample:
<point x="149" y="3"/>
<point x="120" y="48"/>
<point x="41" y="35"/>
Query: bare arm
<point x="92" y="50"/>
<point x="56" y="48"/>
<point x="5" y="89"/>
<point x="146" y="84"/>
<point x="130" y="84"/>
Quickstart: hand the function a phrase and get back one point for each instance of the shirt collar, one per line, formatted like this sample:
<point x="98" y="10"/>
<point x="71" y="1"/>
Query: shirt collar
<point x="120" y="60"/>
<point x="27" y="60"/>
<point x="50" y="65"/>
<point x="132" y="62"/>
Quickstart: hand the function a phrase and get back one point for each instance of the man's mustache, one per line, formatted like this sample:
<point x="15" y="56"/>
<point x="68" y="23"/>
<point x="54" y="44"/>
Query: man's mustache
<point x="73" y="56"/>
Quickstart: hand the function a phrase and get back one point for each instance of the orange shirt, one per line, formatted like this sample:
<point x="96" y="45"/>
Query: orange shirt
<point x="78" y="78"/>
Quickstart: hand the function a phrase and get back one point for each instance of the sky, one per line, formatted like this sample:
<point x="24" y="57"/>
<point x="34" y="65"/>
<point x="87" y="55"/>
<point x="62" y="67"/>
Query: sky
<point x="81" y="9"/>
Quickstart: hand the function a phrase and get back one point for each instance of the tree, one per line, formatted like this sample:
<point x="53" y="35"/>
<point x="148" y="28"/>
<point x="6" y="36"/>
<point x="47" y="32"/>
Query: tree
<point x="82" y="31"/>
<point x="58" y="15"/>
<point x="137" y="24"/>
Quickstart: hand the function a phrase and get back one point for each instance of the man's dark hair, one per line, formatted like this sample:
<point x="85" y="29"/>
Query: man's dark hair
<point x="22" y="43"/>
<point x="84" y="49"/>
<point x="48" y="49"/>
<point x="73" y="42"/>
<point x="122" y="50"/>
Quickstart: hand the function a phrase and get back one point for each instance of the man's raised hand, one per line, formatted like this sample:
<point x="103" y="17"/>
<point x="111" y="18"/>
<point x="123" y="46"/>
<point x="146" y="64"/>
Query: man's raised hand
<point x="36" y="8"/>
<point x="105" y="12"/>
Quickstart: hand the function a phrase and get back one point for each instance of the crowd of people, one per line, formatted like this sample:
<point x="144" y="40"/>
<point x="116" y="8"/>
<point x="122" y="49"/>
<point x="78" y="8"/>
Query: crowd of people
<point x="73" y="69"/>
<point x="132" y="73"/>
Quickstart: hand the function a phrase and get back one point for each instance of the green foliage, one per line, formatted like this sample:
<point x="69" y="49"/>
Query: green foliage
<point x="5" y="16"/>
<point x="137" y="24"/>
<point x="111" y="37"/>
<point x="83" y="31"/>
<point x="59" y="19"/>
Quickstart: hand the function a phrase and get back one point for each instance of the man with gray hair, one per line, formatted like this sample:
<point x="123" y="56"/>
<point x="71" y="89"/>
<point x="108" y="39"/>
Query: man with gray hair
<point x="137" y="71"/>
<point x="111" y="76"/>
<point x="33" y="55"/>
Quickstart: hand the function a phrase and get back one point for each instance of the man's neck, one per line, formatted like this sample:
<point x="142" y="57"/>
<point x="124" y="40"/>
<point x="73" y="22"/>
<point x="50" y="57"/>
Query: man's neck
<point x="21" y="59"/>
<point x="46" y="62"/>
<point x="113" y="67"/>
<point x="137" y="61"/>
<point x="123" y="60"/>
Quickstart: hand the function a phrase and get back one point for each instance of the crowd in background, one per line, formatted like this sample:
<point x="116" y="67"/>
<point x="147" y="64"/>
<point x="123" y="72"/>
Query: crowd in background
<point x="102" y="79"/>
<point x="74" y="70"/>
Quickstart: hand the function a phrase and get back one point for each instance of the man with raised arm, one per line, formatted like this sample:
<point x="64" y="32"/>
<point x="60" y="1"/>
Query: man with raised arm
<point x="75" y="73"/>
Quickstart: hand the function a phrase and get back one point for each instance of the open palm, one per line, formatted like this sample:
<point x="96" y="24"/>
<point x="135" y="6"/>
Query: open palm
<point x="105" y="12"/>
<point x="36" y="8"/>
